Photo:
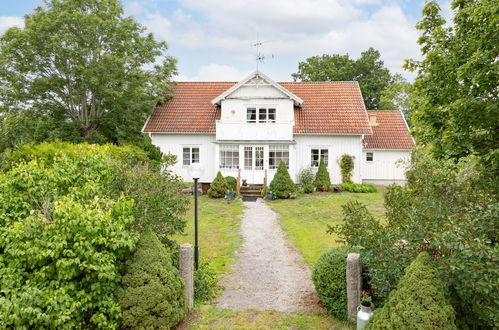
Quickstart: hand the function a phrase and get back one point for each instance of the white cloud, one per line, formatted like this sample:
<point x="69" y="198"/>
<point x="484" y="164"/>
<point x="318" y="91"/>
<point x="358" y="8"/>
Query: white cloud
<point x="7" y="22"/>
<point x="215" y="72"/>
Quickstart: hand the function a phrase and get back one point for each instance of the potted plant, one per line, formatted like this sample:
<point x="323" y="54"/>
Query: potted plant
<point x="366" y="299"/>
<point x="365" y="310"/>
<point x="245" y="182"/>
<point x="324" y="189"/>
<point x="230" y="194"/>
<point x="270" y="195"/>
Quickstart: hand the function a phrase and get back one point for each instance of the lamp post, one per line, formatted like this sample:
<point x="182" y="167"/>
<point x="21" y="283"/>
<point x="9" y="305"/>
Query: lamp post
<point x="196" y="171"/>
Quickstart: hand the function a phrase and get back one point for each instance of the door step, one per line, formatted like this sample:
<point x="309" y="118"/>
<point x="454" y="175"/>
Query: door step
<point x="251" y="191"/>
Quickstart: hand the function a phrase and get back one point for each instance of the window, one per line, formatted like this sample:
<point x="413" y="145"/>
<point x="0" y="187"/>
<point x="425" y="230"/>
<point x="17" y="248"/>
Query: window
<point x="258" y="158"/>
<point x="265" y="115"/>
<point x="248" y="158"/>
<point x="278" y="153"/>
<point x="369" y="156"/>
<point x="316" y="155"/>
<point x="229" y="156"/>
<point x="190" y="155"/>
<point x="251" y="115"/>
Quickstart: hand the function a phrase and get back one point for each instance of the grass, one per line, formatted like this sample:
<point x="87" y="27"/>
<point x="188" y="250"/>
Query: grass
<point x="305" y="219"/>
<point x="208" y="317"/>
<point x="219" y="231"/>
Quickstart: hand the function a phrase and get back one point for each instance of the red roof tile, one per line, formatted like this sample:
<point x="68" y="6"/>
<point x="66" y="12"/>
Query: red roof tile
<point x="328" y="108"/>
<point x="391" y="131"/>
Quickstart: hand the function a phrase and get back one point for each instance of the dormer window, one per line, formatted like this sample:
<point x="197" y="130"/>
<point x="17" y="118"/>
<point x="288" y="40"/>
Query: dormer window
<point x="265" y="115"/>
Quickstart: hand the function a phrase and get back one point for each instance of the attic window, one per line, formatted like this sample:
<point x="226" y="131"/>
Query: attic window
<point x="251" y="115"/>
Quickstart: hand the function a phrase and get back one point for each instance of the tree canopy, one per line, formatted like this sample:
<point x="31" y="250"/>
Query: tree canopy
<point x="456" y="110"/>
<point x="80" y="70"/>
<point x="369" y="70"/>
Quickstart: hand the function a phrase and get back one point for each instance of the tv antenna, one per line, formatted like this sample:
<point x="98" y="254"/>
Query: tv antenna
<point x="260" y="57"/>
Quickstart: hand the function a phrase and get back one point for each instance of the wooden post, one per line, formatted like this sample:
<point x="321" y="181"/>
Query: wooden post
<point x="238" y="182"/>
<point x="265" y="184"/>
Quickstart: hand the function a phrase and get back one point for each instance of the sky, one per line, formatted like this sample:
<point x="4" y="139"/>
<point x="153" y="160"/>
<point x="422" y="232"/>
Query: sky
<point x="213" y="39"/>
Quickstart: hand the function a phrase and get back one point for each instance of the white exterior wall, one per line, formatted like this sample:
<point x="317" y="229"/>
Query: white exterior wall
<point x="385" y="168"/>
<point x="337" y="146"/>
<point x="174" y="143"/>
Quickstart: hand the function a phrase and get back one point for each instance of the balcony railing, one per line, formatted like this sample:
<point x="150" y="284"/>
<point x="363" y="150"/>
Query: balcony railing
<point x="278" y="131"/>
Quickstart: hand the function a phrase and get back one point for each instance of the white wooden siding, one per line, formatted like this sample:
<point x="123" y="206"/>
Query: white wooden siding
<point x="385" y="168"/>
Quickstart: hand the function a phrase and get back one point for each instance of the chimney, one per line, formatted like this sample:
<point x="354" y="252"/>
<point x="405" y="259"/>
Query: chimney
<point x="372" y="120"/>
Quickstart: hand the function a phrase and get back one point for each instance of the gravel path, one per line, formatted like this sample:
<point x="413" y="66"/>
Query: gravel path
<point x="268" y="273"/>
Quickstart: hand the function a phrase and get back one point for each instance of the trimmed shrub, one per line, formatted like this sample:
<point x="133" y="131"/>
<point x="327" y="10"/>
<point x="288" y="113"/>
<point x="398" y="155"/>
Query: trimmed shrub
<point x="306" y="176"/>
<point x="346" y="166"/>
<point x="151" y="293"/>
<point x="322" y="178"/>
<point x="358" y="187"/>
<point x="418" y="302"/>
<point x="231" y="182"/>
<point x="330" y="282"/>
<point x="218" y="187"/>
<point x="282" y="184"/>
<point x="308" y="188"/>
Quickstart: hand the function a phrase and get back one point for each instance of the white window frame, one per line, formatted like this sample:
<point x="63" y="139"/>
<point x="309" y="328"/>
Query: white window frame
<point x="224" y="157"/>
<point x="251" y="121"/>
<point x="320" y="154"/>
<point x="269" y="114"/>
<point x="190" y="160"/>
<point x="369" y="154"/>
<point x="278" y="148"/>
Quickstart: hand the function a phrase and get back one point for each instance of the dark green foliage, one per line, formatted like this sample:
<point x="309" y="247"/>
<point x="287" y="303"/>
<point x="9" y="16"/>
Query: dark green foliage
<point x="330" y="281"/>
<point x="151" y="293"/>
<point x="346" y="165"/>
<point x="308" y="188"/>
<point x="60" y="79"/>
<point x="231" y="182"/>
<point x="306" y="176"/>
<point x="205" y="282"/>
<point x="418" y="302"/>
<point x="369" y="70"/>
<point x="449" y="210"/>
<point x="218" y="188"/>
<point x="358" y="187"/>
<point x="322" y="178"/>
<point x="282" y="185"/>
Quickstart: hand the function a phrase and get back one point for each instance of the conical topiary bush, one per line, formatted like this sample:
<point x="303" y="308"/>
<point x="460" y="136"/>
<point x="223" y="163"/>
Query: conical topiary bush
<point x="282" y="185"/>
<point x="218" y="187"/>
<point x="152" y="292"/>
<point x="418" y="302"/>
<point x="322" y="179"/>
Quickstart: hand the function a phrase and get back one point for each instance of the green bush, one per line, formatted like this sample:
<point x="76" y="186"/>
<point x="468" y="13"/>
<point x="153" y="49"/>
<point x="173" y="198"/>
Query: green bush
<point x="282" y="185"/>
<point x="449" y="210"/>
<point x="418" y="302"/>
<point x="322" y="178"/>
<point x="205" y="282"/>
<point x="358" y="187"/>
<point x="152" y="292"/>
<point x="218" y="188"/>
<point x="346" y="166"/>
<point x="330" y="282"/>
<point x="306" y="176"/>
<point x="308" y="188"/>
<point x="231" y="182"/>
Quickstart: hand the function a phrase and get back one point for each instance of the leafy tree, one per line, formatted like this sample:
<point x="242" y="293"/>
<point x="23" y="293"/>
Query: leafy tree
<point x="368" y="70"/>
<point x="456" y="112"/>
<point x="418" y="302"/>
<point x="218" y="188"/>
<point x="80" y="70"/>
<point x="448" y="210"/>
<point x="151" y="293"/>
<point x="398" y="96"/>
<point x="282" y="185"/>
<point x="322" y="178"/>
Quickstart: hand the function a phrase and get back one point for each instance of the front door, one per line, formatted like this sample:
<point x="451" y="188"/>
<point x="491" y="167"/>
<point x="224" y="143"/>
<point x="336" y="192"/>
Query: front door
<point x="253" y="164"/>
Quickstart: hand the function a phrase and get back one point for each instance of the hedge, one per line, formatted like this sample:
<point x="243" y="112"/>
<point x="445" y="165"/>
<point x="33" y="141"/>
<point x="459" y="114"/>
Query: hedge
<point x="358" y="187"/>
<point x="329" y="276"/>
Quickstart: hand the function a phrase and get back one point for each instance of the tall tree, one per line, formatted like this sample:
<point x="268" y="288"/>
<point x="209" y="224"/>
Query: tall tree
<point x="83" y="71"/>
<point x="398" y="96"/>
<point x="457" y="108"/>
<point x="368" y="70"/>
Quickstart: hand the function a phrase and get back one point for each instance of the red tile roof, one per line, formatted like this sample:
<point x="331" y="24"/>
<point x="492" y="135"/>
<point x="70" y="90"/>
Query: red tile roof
<point x="391" y="131"/>
<point x="328" y="108"/>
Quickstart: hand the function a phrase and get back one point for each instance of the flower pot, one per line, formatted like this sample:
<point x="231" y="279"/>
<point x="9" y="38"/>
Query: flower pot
<point x="270" y="196"/>
<point x="364" y="313"/>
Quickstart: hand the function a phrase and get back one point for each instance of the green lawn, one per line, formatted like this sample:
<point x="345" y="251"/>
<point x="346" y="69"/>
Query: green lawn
<point x="208" y="317"/>
<point x="305" y="219"/>
<point x="219" y="231"/>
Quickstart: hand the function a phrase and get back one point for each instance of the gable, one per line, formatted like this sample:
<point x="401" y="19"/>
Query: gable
<point x="257" y="85"/>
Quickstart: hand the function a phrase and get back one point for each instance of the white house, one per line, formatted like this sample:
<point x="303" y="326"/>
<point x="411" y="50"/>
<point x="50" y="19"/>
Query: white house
<point x="252" y="125"/>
